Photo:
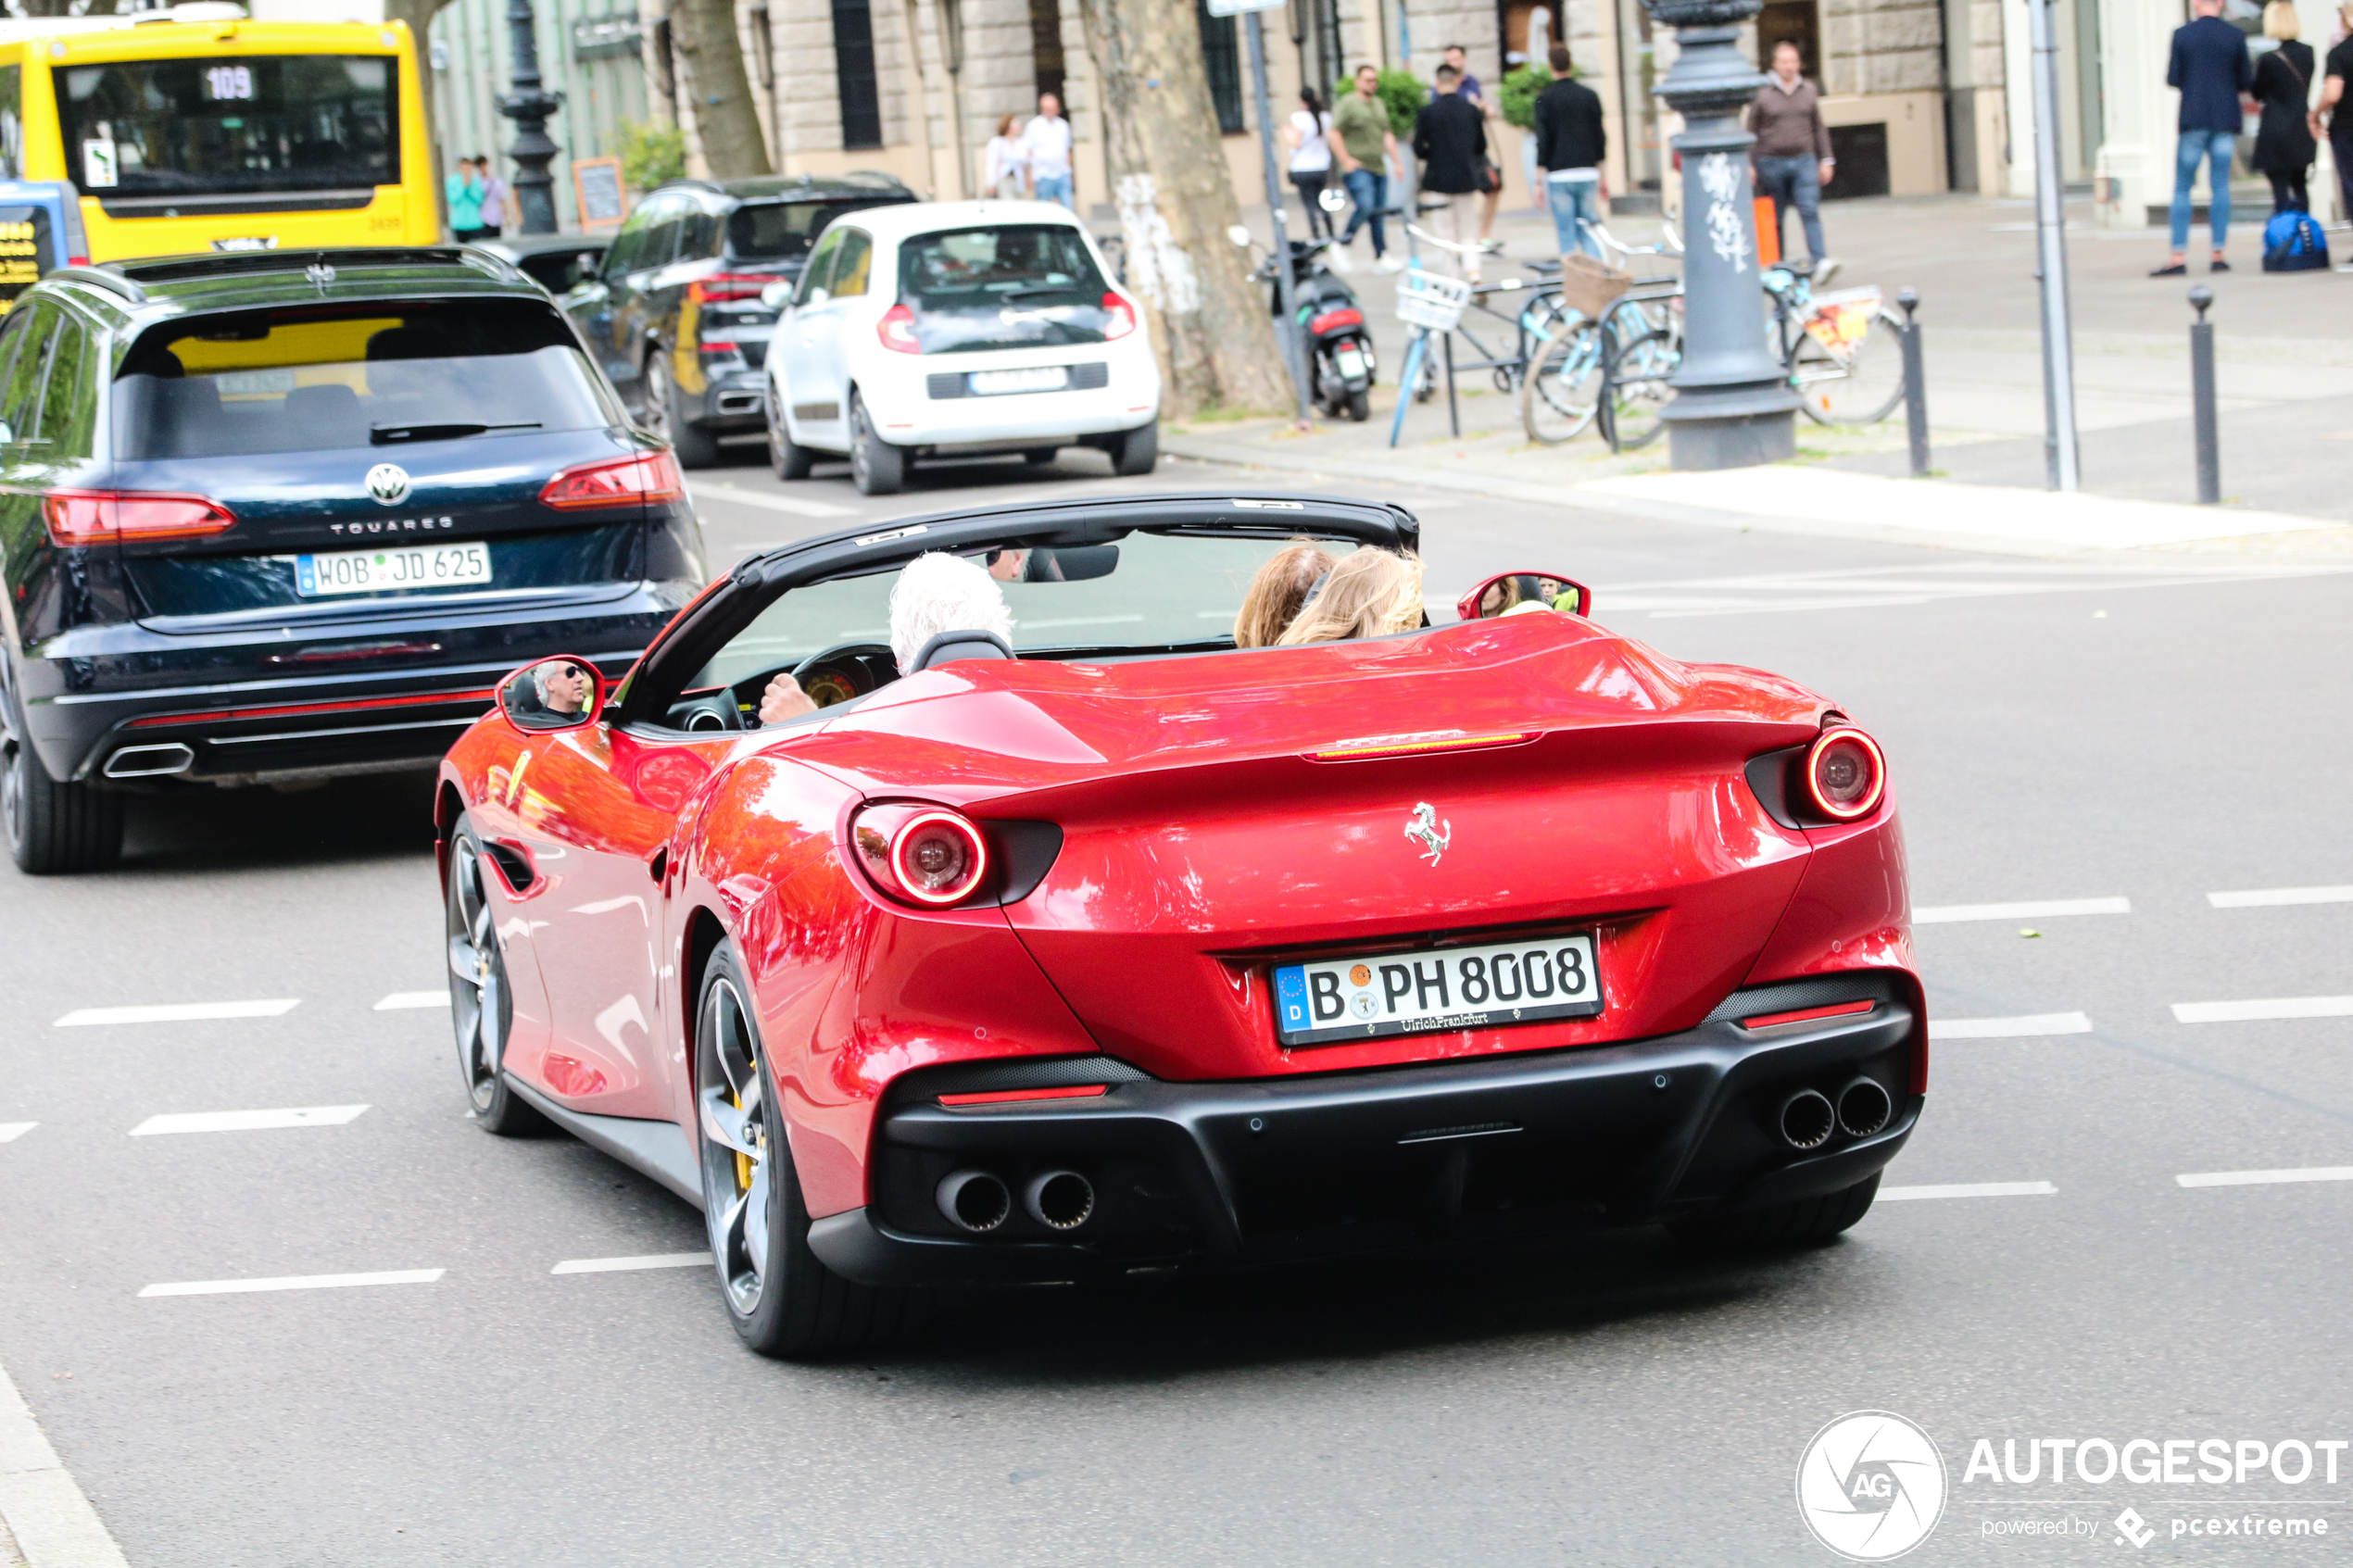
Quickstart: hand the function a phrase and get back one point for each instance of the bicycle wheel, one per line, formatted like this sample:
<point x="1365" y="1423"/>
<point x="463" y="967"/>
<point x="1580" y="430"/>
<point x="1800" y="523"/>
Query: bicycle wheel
<point x="1561" y="392"/>
<point x="1860" y="393"/>
<point x="1634" y="390"/>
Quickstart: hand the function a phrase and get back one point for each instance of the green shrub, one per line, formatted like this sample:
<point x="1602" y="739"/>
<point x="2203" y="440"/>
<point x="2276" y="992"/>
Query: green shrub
<point x="1520" y="88"/>
<point x="1401" y="94"/>
<point x="652" y="154"/>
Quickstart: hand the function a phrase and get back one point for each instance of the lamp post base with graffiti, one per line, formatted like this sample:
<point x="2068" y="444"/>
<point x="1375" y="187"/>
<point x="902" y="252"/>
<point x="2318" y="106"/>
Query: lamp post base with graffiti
<point x="1733" y="405"/>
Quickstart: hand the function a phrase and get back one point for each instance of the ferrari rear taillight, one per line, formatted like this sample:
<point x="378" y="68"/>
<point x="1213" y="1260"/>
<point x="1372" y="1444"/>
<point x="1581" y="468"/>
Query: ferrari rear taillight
<point x="106" y="517"/>
<point x="897" y="330"/>
<point x="1846" y="774"/>
<point x="615" y="481"/>
<point x="922" y="855"/>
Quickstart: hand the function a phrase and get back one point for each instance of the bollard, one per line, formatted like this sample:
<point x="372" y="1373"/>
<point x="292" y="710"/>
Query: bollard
<point x="1914" y="384"/>
<point x="2210" y="456"/>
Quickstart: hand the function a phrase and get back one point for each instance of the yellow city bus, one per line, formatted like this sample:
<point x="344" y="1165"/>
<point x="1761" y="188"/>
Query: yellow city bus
<point x="199" y="130"/>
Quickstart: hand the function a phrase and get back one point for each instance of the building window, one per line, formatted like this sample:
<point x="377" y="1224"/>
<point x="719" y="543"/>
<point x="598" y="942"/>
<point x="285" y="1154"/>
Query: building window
<point x="1223" y="56"/>
<point x="854" y="59"/>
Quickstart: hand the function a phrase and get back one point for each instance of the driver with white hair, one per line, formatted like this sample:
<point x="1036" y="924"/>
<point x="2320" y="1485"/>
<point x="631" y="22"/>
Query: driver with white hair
<point x="934" y="594"/>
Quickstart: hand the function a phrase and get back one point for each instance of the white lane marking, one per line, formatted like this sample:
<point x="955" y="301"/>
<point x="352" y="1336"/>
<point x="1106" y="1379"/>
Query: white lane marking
<point x="2257" y="898"/>
<point x="2264" y="1178"/>
<point x="706" y="491"/>
<point x="248" y="1121"/>
<point x="399" y="1000"/>
<point x="2262" y="1006"/>
<point x="615" y="1265"/>
<point x="45" y="1509"/>
<point x="1969" y="1189"/>
<point x="2027" y="1027"/>
<point x="182" y="1012"/>
<point x="11" y="1130"/>
<point x="2042" y="908"/>
<point x="294" y="1282"/>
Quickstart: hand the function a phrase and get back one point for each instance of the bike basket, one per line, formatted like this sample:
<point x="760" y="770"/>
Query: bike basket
<point x="1431" y="299"/>
<point x="1591" y="287"/>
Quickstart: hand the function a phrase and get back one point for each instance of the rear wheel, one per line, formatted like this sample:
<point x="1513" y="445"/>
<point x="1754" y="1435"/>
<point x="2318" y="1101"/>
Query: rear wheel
<point x="782" y="1300"/>
<point x="55" y="828"/>
<point x="787" y="457"/>
<point x="1360" y="406"/>
<point x="1635" y="391"/>
<point x="1804" y="1222"/>
<point x="482" y="1009"/>
<point x="1136" y="452"/>
<point x="1561" y="392"/>
<point x="1861" y="390"/>
<point x="694" y="448"/>
<point x="875" y="466"/>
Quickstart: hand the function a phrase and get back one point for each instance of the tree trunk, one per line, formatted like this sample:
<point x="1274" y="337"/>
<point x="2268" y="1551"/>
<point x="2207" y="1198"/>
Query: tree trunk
<point x="1210" y="323"/>
<point x="419" y="15"/>
<point x="704" y="32"/>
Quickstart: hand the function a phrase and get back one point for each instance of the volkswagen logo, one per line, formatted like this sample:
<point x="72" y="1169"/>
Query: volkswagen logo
<point x="389" y="483"/>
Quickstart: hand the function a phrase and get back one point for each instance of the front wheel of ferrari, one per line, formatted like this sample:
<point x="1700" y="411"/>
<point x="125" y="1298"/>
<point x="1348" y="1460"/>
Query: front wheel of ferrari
<point x="783" y="1301"/>
<point x="1803" y="1221"/>
<point x="482" y="1009"/>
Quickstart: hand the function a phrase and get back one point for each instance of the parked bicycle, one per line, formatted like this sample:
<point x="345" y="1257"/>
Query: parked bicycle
<point x="1561" y="394"/>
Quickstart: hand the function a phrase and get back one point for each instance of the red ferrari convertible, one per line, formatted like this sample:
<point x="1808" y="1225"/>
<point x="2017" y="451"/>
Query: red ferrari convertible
<point x="1118" y="949"/>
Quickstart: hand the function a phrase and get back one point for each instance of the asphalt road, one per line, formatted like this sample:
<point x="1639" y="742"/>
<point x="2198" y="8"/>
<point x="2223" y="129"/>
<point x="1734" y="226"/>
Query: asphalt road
<point x="2149" y="729"/>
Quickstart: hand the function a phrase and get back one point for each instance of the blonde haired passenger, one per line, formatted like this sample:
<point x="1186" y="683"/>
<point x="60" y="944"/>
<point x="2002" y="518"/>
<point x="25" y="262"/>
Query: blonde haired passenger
<point x="1370" y="594"/>
<point x="2285" y="146"/>
<point x="1276" y="592"/>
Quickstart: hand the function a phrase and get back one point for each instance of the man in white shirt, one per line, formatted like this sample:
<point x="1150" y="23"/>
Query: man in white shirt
<point x="1046" y="140"/>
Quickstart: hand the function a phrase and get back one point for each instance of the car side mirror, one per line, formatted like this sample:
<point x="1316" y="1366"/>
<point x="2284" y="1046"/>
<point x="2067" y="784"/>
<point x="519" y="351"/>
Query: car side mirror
<point x="816" y="296"/>
<point x="775" y="296"/>
<point x="1509" y="591"/>
<point x="564" y="692"/>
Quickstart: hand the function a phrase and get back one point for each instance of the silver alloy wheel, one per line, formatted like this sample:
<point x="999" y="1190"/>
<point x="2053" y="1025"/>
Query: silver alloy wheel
<point x="733" y="1102"/>
<point x="12" y="765"/>
<point x="479" y="1005"/>
<point x="655" y="416"/>
<point x="861" y="452"/>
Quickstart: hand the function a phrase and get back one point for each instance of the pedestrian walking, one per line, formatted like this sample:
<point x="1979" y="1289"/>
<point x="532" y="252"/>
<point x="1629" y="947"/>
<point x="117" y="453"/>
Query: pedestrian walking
<point x="2331" y="117"/>
<point x="493" y="200"/>
<point x="2284" y="146"/>
<point x="1450" y="137"/>
<point x="1364" y="144"/>
<point x="465" y="203"/>
<point x="1045" y="144"/>
<point x="1792" y="156"/>
<point x="1005" y="169"/>
<point x="1310" y="135"/>
<point x="2210" y="67"/>
<point x="1490" y="173"/>
<point x="1570" y="142"/>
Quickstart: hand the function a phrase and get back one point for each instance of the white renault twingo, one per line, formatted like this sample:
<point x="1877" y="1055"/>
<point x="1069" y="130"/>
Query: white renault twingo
<point x="953" y="329"/>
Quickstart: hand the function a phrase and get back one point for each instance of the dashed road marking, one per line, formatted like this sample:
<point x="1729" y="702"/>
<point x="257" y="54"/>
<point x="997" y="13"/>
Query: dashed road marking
<point x="615" y="1265"/>
<point x="2265" y="1178"/>
<point x="294" y="1282"/>
<point x="2028" y="1027"/>
<point x="179" y="1012"/>
<point x="2261" y="1007"/>
<point x="400" y="999"/>
<point x="2259" y="897"/>
<point x="11" y="1130"/>
<point x="2033" y="909"/>
<point x="706" y="491"/>
<point x="1969" y="1189"/>
<point x="248" y="1121"/>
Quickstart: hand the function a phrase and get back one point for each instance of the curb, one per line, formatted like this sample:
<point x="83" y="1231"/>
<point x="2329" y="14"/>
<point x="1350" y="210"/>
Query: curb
<point x="43" y="1507"/>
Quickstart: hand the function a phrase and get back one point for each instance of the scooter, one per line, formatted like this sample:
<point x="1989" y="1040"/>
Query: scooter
<point x="1340" y="344"/>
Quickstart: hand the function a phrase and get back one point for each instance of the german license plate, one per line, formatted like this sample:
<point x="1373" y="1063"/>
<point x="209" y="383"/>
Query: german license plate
<point x="1351" y="360"/>
<point x="1043" y="378"/>
<point x="385" y="570"/>
<point x="1442" y="990"/>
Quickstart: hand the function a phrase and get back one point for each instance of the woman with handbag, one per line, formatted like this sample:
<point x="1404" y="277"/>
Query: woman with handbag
<point x="2283" y="144"/>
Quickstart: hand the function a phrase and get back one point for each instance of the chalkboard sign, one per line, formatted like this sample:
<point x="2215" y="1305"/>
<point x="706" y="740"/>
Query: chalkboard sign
<point x="596" y="181"/>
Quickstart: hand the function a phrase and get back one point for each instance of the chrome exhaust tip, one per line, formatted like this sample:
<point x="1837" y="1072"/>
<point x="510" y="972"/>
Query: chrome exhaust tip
<point x="1864" y="1107"/>
<point x="149" y="762"/>
<point x="1807" y="1119"/>
<point x="973" y="1200"/>
<point x="1061" y="1200"/>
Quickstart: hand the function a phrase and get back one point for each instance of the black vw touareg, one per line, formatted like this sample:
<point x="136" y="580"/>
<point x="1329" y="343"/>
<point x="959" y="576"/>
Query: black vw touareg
<point x="273" y="516"/>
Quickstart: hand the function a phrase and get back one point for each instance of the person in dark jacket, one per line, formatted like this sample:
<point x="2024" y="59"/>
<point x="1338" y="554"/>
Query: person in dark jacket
<point x="2283" y="144"/>
<point x="1570" y="141"/>
<point x="1450" y="137"/>
<point x="2210" y="67"/>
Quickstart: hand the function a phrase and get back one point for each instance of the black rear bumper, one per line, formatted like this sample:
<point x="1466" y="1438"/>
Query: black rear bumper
<point x="1236" y="1174"/>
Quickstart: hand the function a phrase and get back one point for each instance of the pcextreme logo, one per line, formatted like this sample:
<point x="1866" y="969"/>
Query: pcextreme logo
<point x="1871" y="1485"/>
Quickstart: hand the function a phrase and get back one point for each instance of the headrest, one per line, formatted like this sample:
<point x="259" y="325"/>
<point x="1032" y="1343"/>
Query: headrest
<point x="951" y="645"/>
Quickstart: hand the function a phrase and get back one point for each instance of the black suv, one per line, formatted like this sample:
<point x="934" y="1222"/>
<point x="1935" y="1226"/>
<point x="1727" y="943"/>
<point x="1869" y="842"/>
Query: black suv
<point x="677" y="318"/>
<point x="272" y="516"/>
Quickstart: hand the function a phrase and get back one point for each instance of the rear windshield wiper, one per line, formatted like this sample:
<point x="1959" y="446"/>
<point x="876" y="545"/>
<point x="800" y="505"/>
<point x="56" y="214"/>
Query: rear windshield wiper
<point x="1038" y="288"/>
<point x="386" y="435"/>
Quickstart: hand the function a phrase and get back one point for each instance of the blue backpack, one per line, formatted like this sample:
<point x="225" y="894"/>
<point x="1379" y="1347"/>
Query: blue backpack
<point x="2292" y="242"/>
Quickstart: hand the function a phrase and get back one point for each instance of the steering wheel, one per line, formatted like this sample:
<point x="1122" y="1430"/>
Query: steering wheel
<point x="842" y="650"/>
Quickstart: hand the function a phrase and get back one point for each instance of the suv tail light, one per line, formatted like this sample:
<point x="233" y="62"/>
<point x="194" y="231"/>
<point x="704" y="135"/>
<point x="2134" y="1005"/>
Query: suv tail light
<point x="897" y="330"/>
<point x="615" y="481"/>
<point x="1846" y="774"/>
<point x="922" y="855"/>
<point x="104" y="517"/>
<point x="721" y="287"/>
<point x="1119" y="317"/>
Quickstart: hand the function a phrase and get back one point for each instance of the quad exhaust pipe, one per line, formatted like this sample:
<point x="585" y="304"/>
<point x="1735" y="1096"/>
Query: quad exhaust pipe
<point x="973" y="1200"/>
<point x="979" y="1201"/>
<point x="1807" y="1120"/>
<point x="1061" y="1200"/>
<point x="1864" y="1107"/>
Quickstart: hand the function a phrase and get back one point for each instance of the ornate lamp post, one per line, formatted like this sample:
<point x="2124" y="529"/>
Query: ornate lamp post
<point x="529" y="106"/>
<point x="1733" y="405"/>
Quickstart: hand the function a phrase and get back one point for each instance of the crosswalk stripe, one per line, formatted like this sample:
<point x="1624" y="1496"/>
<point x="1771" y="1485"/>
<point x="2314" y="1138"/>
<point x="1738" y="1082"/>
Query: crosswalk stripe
<point x="1969" y="1189"/>
<point x="2027" y="1027"/>
<point x="294" y="1282"/>
<point x="2265" y="1178"/>
<point x="180" y="1012"/>
<point x="2257" y="898"/>
<point x="248" y="1121"/>
<point x="616" y="1265"/>
<point x="399" y="1000"/>
<point x="2033" y="909"/>
<point x="11" y="1130"/>
<point x="2262" y="1008"/>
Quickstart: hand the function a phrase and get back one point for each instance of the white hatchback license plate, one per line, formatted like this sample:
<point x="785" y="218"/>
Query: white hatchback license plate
<point x="386" y="570"/>
<point x="1045" y="378"/>
<point x="1440" y="990"/>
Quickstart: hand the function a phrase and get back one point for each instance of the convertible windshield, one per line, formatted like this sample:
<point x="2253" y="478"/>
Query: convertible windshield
<point x="1149" y="591"/>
